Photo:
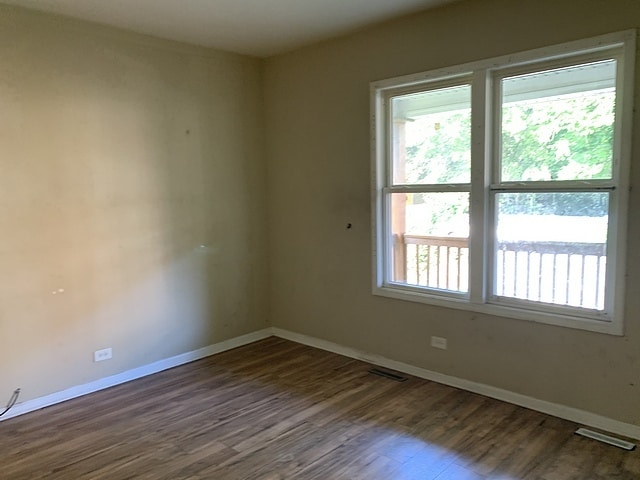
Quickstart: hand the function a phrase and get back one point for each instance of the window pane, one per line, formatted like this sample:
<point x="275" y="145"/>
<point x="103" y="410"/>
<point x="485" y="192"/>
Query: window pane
<point x="430" y="233"/>
<point x="432" y="136"/>
<point x="558" y="124"/>
<point x="551" y="247"/>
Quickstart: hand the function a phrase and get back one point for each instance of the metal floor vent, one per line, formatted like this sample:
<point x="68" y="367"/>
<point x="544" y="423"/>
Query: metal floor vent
<point x="601" y="437"/>
<point x="388" y="374"/>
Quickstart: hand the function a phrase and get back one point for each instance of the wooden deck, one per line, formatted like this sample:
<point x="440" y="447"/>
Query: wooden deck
<point x="279" y="410"/>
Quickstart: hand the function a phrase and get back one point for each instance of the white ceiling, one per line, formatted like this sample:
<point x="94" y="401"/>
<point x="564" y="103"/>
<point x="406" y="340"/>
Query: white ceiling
<point x="253" y="27"/>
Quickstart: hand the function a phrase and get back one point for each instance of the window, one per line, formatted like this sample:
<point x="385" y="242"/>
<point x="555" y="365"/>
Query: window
<point x="501" y="186"/>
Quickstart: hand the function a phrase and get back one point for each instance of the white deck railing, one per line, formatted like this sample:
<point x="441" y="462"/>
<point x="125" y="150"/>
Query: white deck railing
<point x="561" y="273"/>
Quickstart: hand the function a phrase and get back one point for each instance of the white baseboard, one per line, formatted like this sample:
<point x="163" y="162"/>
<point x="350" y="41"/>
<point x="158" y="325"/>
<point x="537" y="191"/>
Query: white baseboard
<point x="557" y="410"/>
<point x="133" y="374"/>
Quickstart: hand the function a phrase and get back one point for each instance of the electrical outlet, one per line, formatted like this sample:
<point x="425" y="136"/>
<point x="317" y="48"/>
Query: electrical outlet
<point x="439" y="342"/>
<point x="102" y="355"/>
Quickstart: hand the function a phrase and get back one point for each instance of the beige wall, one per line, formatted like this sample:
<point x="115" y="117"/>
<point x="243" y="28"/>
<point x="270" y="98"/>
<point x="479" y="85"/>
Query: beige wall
<point x="319" y="180"/>
<point x="120" y="156"/>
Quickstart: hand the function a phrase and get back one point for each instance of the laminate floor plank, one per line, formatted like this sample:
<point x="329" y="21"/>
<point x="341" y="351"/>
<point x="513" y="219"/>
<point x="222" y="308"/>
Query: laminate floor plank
<point x="276" y="409"/>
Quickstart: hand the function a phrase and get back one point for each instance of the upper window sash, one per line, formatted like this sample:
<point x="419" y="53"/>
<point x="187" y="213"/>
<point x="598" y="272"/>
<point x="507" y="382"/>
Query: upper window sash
<point x="530" y="102"/>
<point x="433" y="115"/>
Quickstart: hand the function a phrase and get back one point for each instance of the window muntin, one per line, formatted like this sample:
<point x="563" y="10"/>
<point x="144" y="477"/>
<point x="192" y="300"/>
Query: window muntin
<point x="600" y="69"/>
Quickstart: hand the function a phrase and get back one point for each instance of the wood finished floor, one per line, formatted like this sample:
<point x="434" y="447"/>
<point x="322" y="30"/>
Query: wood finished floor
<point x="279" y="410"/>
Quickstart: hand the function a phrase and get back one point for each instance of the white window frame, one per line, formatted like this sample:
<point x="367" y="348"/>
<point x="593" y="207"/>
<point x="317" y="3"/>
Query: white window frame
<point x="484" y="131"/>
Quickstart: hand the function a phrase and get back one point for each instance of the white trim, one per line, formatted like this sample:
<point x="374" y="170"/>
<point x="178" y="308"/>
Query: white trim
<point x="413" y="294"/>
<point x="625" y="115"/>
<point x="135" y="373"/>
<point x="555" y="409"/>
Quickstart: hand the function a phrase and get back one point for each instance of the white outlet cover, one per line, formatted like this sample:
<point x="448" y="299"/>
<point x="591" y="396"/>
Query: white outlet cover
<point x="102" y="355"/>
<point x="439" y="342"/>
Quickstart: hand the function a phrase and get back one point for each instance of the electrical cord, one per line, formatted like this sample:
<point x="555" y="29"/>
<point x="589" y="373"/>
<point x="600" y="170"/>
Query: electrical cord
<point x="12" y="401"/>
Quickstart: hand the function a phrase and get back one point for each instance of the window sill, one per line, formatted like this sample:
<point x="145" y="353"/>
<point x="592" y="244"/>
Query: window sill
<point x="512" y="312"/>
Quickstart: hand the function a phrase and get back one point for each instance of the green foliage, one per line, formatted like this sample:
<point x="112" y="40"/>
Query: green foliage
<point x="439" y="148"/>
<point x="563" y="139"/>
<point x="548" y="139"/>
